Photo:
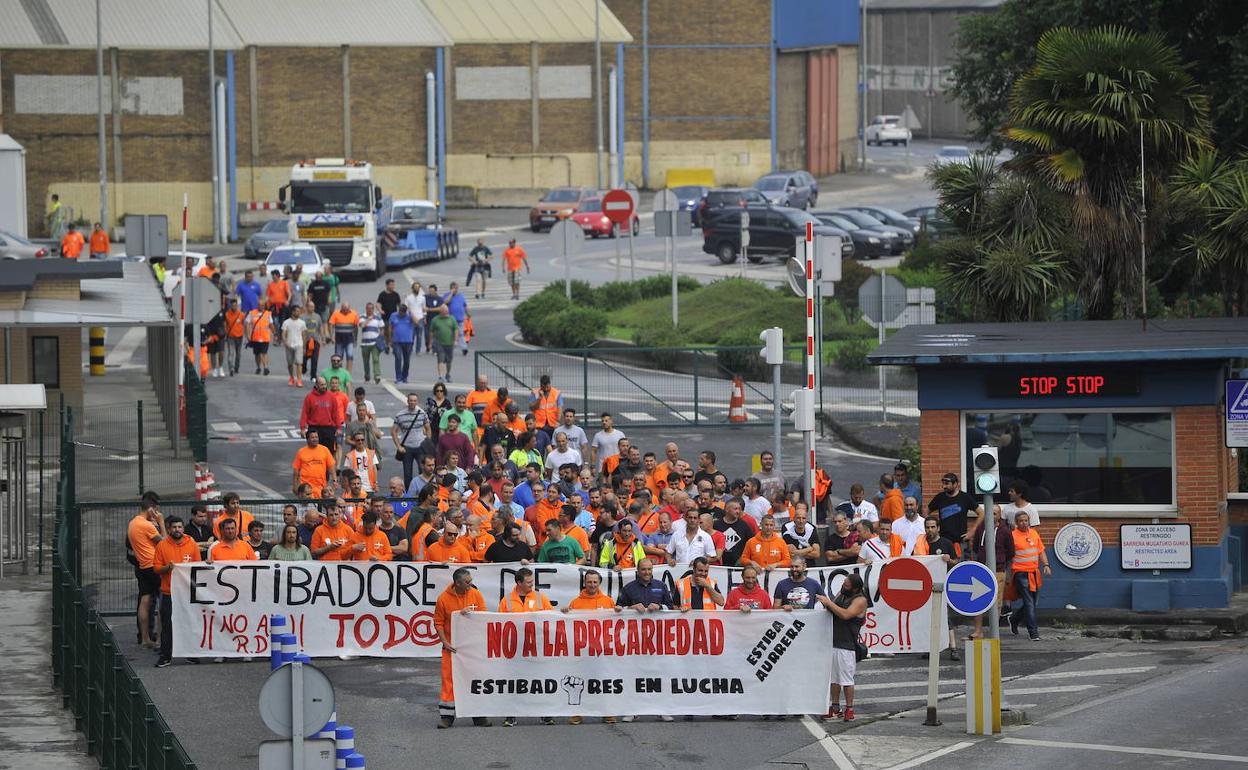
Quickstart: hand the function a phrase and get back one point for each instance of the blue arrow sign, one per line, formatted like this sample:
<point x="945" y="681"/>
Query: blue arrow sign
<point x="970" y="588"/>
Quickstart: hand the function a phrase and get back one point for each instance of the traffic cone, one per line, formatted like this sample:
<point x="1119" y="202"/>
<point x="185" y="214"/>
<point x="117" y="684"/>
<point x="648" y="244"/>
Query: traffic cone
<point x="736" y="405"/>
<point x="201" y="483"/>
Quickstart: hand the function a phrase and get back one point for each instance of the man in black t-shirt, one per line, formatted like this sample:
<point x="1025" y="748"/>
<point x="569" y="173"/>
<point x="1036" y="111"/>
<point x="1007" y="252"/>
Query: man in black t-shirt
<point x="509" y="548"/>
<point x="841" y="542"/>
<point x="939" y="545"/>
<point x="199" y="528"/>
<point x="319" y="291"/>
<point x="952" y="506"/>
<point x="736" y="531"/>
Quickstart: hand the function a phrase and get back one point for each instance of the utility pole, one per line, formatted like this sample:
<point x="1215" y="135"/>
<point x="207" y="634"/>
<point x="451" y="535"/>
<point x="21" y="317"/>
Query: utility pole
<point x="862" y="113"/>
<point x="99" y="94"/>
<point x="212" y="101"/>
<point x="598" y="92"/>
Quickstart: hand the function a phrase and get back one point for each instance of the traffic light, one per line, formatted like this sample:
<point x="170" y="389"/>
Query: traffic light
<point x="804" y="409"/>
<point x="987" y="470"/>
<point x="773" y="345"/>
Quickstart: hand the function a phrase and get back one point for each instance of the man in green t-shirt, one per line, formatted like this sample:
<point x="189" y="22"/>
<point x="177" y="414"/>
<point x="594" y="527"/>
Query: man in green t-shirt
<point x="335" y="370"/>
<point x="467" y="420"/>
<point x="444" y="331"/>
<point x="559" y="548"/>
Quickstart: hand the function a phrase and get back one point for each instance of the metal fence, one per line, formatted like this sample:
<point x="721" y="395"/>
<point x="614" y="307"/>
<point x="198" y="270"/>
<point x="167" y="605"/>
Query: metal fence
<point x="111" y="707"/>
<point x="682" y="387"/>
<point x="14" y="494"/>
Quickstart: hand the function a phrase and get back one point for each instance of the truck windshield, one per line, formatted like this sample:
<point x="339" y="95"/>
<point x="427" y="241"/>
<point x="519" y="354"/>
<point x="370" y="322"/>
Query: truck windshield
<point x="420" y="215"/>
<point x="323" y="198"/>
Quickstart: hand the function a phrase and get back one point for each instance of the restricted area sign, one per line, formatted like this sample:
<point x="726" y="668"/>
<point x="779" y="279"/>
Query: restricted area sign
<point x="970" y="588"/>
<point x="905" y="585"/>
<point x="617" y="205"/>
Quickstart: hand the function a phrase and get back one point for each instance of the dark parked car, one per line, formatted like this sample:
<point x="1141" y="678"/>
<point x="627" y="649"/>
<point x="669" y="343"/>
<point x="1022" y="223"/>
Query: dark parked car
<point x="868" y="222"/>
<point x="264" y="240"/>
<point x="690" y="197"/>
<point x="773" y="232"/>
<point x="726" y="199"/>
<point x="867" y="244"/>
<point x="932" y="222"/>
<point x="789" y="188"/>
<point x="889" y="216"/>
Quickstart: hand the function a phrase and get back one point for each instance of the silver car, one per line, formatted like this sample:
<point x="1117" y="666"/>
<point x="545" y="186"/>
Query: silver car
<point x="14" y="246"/>
<point x="265" y="239"/>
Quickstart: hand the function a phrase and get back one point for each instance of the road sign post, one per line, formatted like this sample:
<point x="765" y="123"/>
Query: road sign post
<point x="808" y="436"/>
<point x="933" y="656"/>
<point x="882" y="299"/>
<point x="618" y="206"/>
<point x="666" y="215"/>
<point x="970" y="588"/>
<point x="568" y="240"/>
<point x="745" y="239"/>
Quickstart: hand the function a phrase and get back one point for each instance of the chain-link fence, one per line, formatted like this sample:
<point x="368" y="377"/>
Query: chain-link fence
<point x="679" y="387"/>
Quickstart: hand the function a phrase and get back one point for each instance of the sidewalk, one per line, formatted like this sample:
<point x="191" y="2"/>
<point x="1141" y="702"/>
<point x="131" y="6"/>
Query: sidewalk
<point x="35" y="732"/>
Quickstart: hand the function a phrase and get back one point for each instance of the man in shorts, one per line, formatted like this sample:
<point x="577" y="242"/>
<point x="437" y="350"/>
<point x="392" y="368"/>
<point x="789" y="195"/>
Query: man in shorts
<point x="444" y="332"/>
<point x="294" y="332"/>
<point x="513" y="258"/>
<point x="849" y="609"/>
<point x="143" y="533"/>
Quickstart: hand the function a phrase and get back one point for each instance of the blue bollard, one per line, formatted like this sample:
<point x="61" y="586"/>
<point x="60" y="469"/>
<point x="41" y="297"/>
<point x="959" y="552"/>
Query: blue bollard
<point x="344" y="745"/>
<point x="328" y="730"/>
<point x="355" y="761"/>
<point x="290" y="648"/>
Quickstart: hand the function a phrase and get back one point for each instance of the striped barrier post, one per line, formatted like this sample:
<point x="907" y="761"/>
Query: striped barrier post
<point x="328" y="730"/>
<point x="96" y="342"/>
<point x="344" y="745"/>
<point x="355" y="761"/>
<point x="983" y="686"/>
<point x="277" y="629"/>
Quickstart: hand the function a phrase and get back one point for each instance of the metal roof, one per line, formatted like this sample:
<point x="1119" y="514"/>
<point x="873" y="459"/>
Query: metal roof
<point x="20" y="274"/>
<point x="932" y="5"/>
<point x="319" y="23"/>
<point x="183" y="24"/>
<point x="527" y="21"/>
<point x="127" y="24"/>
<point x="132" y="298"/>
<point x="1072" y="341"/>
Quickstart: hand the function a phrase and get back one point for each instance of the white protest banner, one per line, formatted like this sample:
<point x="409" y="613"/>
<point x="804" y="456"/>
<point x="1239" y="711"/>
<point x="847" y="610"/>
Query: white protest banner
<point x="605" y="663"/>
<point x="385" y="609"/>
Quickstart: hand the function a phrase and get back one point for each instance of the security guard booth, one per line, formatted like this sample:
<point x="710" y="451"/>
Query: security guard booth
<point x="1118" y="431"/>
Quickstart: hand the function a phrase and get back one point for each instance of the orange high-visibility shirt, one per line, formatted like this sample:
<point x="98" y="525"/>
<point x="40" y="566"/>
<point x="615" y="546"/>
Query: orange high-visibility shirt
<point x="534" y="601"/>
<point x="99" y="242"/>
<point x="450" y="602"/>
<point x="244" y="521"/>
<point x="169" y="552"/>
<point x="769" y="552"/>
<point x="449" y="554"/>
<point x="239" y="550"/>
<point x="376" y="544"/>
<point x="324" y="534"/>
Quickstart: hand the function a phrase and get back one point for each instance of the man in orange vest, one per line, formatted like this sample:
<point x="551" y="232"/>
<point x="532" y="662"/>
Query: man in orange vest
<point x="99" y="242"/>
<point x="698" y="591"/>
<point x="462" y="597"/>
<point x="1024" y="573"/>
<point x="525" y="598"/>
<point x="235" y="322"/>
<point x="72" y="243"/>
<point x="546" y="405"/>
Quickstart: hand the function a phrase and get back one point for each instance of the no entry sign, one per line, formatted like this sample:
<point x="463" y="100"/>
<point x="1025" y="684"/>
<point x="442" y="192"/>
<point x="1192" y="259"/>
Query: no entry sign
<point x="617" y="205"/>
<point x="905" y="585"/>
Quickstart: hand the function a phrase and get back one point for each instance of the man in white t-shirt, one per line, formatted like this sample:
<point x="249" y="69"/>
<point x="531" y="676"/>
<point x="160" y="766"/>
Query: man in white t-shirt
<point x="756" y="505"/>
<point x="415" y="302"/>
<point x="605" y="443"/>
<point x="911" y="526"/>
<point x="294" y="330"/>
<point x="561" y="455"/>
<point x="576" y="435"/>
<point x="858" y="507"/>
<point x="1018" y="491"/>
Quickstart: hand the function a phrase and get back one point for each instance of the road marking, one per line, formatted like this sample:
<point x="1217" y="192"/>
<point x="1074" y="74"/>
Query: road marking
<point x="227" y="427"/>
<point x="1047" y="690"/>
<point x="400" y="395"/>
<point x="274" y="422"/>
<point x="900" y="584"/>
<point x="690" y="416"/>
<point x="829" y="744"/>
<point x="929" y="757"/>
<point x="1092" y="672"/>
<point x="1126" y="750"/>
<point x="123" y="351"/>
<point x="269" y="491"/>
<point x="638" y="416"/>
<point x="384" y="422"/>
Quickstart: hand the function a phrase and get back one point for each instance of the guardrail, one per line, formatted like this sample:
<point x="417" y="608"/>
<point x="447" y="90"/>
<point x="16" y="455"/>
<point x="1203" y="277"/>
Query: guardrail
<point x="111" y="707"/>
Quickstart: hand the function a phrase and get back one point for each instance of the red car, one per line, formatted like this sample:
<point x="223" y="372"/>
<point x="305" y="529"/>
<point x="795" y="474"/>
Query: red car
<point x="591" y="219"/>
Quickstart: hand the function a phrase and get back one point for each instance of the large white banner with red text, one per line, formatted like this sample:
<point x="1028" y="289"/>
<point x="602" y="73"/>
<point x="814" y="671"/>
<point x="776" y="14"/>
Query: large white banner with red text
<point x="385" y="609"/>
<point x="606" y="663"/>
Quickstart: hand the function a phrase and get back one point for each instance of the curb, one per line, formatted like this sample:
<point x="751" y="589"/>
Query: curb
<point x="852" y="440"/>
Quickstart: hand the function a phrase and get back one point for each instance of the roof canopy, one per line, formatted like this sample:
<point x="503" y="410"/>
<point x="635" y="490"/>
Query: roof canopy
<point x="1066" y="342"/>
<point x="111" y="294"/>
<point x="527" y="21"/>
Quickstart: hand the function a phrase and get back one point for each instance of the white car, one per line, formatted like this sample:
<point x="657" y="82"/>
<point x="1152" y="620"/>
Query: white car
<point x="173" y="270"/>
<point x="290" y="254"/>
<point x="951" y="154"/>
<point x="887" y="128"/>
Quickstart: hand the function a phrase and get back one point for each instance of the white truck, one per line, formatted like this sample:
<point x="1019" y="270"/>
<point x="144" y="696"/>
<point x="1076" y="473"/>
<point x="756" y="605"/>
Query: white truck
<point x="334" y="204"/>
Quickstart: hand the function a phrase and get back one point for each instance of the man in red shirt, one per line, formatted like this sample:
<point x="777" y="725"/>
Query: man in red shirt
<point x="749" y="595"/>
<point x="320" y="413"/>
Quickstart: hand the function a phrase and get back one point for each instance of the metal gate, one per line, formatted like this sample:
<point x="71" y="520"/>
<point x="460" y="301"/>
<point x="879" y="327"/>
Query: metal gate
<point x="14" y="546"/>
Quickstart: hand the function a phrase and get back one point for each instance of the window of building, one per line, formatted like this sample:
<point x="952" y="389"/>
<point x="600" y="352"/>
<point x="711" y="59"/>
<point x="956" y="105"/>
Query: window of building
<point x="1081" y="458"/>
<point x="45" y="361"/>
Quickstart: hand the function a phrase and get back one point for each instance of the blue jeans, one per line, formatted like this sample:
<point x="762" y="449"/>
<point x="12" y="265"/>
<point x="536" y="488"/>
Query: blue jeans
<point x="1028" y="599"/>
<point x="402" y="360"/>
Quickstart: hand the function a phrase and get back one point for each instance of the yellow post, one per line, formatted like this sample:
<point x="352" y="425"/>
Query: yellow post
<point x="983" y="686"/>
<point x="756" y="463"/>
<point x="96" y="340"/>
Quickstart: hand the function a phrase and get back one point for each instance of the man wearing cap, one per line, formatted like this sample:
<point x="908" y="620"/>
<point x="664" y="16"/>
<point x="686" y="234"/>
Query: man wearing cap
<point x="953" y="505"/>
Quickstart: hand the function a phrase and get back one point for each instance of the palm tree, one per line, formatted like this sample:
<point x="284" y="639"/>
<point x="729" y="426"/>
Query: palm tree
<point x="1009" y="261"/>
<point x="1210" y="194"/>
<point x="1078" y="120"/>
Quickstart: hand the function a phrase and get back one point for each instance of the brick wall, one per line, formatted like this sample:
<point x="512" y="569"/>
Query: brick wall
<point x="71" y="361"/>
<point x="1202" y="467"/>
<point x="300" y="104"/>
<point x="489" y="126"/>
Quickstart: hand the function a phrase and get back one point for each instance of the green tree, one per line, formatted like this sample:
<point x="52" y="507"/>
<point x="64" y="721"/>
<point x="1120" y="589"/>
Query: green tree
<point x="1079" y="120"/>
<point x="995" y="49"/>
<point x="1210" y="196"/>
<point x="1009" y="262"/>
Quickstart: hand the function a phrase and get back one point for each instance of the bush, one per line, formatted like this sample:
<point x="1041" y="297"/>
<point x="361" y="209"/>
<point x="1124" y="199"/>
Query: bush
<point x="660" y="334"/>
<point x="661" y="286"/>
<point x="617" y="294"/>
<point x="747" y="363"/>
<point x="851" y="355"/>
<point x="532" y="314"/>
<point x="575" y="327"/>
<point x="853" y="275"/>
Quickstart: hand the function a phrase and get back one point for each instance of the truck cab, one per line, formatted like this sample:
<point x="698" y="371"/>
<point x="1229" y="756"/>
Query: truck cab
<point x="334" y="204"/>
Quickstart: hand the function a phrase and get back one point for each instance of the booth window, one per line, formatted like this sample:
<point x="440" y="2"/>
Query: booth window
<point x="1081" y="458"/>
<point x="45" y="361"/>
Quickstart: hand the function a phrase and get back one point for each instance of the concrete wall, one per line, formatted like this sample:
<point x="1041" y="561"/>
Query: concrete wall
<point x="909" y="58"/>
<point x="1204" y="474"/>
